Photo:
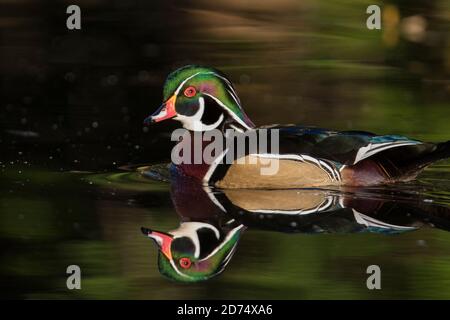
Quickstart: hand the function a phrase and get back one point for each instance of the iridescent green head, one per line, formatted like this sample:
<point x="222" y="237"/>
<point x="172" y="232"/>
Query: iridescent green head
<point x="202" y="99"/>
<point x="195" y="251"/>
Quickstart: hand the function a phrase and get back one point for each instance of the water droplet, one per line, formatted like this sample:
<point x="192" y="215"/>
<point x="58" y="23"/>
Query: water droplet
<point x="27" y="100"/>
<point x="143" y="76"/>
<point x="151" y="50"/>
<point x="244" y="79"/>
<point x="112" y="80"/>
<point x="421" y="243"/>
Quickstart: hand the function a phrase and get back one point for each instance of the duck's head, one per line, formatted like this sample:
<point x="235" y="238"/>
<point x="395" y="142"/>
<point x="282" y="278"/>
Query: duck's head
<point x="202" y="99"/>
<point x="196" y="251"/>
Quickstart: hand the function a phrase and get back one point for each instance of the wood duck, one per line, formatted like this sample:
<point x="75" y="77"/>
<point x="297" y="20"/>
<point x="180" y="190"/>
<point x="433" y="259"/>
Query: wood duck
<point x="204" y="242"/>
<point x="212" y="223"/>
<point x="203" y="99"/>
<point x="195" y="251"/>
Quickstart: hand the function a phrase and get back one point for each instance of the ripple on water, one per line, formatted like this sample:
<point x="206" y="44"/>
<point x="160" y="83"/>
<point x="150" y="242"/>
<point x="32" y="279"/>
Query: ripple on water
<point x="432" y="186"/>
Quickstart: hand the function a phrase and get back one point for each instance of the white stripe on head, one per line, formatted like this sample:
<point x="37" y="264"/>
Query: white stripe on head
<point x="194" y="122"/>
<point x="184" y="81"/>
<point x="189" y="230"/>
<point x="227" y="238"/>
<point x="233" y="115"/>
<point x="236" y="99"/>
<point x="230" y="85"/>
<point x="233" y="94"/>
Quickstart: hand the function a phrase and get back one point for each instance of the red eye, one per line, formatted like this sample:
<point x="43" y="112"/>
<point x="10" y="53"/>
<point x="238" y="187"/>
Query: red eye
<point x="185" y="263"/>
<point x="190" y="92"/>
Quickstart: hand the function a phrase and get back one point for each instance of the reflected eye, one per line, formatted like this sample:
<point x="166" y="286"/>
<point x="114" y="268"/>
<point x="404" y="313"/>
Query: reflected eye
<point x="190" y="92"/>
<point x="185" y="263"/>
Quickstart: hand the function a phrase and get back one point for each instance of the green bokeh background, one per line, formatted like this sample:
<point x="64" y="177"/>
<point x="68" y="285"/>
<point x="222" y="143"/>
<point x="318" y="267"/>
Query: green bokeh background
<point x="308" y="62"/>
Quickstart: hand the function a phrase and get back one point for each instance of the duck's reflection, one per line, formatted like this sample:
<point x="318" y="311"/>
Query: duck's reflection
<point x="212" y="222"/>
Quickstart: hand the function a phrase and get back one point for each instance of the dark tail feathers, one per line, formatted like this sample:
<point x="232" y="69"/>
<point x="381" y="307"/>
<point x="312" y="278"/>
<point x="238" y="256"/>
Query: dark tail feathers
<point x="405" y="163"/>
<point x="441" y="152"/>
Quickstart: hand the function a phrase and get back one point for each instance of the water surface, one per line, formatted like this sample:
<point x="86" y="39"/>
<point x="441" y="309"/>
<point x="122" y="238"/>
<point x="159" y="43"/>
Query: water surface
<point x="71" y="116"/>
<point x="52" y="219"/>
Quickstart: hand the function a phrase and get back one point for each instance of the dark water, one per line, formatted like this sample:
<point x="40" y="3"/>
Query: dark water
<point x="71" y="116"/>
<point x="51" y="220"/>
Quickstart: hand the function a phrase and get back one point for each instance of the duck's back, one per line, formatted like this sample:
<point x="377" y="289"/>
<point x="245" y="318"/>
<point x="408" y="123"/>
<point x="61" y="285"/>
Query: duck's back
<point x="308" y="156"/>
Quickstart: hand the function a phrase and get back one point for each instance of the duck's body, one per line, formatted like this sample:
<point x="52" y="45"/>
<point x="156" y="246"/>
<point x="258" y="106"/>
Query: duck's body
<point x="203" y="99"/>
<point x="312" y="157"/>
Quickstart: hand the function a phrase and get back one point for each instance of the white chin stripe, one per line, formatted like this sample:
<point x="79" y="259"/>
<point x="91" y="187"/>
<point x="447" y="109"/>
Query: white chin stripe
<point x="189" y="229"/>
<point x="194" y="123"/>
